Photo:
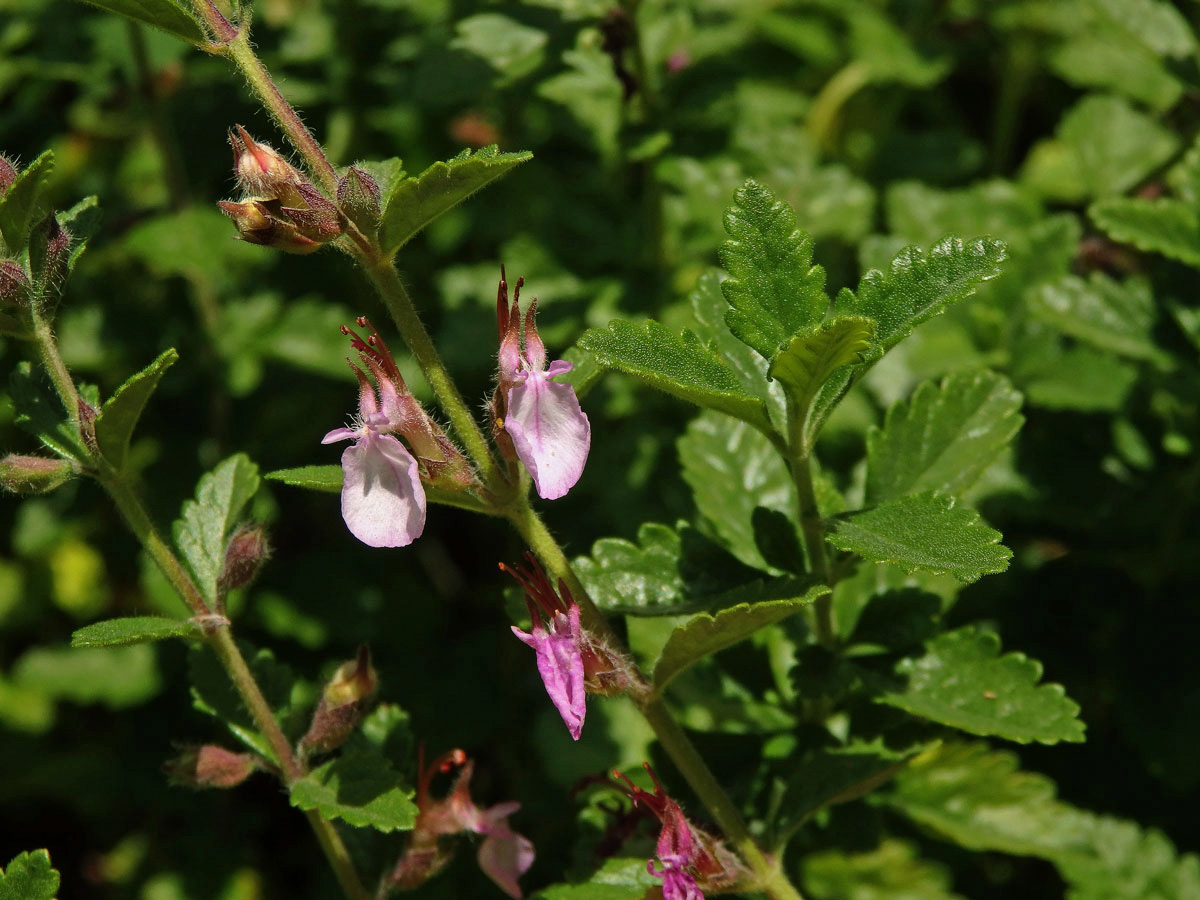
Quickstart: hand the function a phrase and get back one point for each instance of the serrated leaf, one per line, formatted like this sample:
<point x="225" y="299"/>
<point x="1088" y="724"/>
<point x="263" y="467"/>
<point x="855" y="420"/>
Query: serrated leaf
<point x="1127" y="862"/>
<point x="919" y="286"/>
<point x="943" y="438"/>
<point x="617" y="879"/>
<point x="289" y="698"/>
<point x="359" y="788"/>
<point x="205" y="523"/>
<point x="1114" y="145"/>
<point x="119" y="416"/>
<point x="923" y="531"/>
<point x="963" y="681"/>
<point x="416" y="201"/>
<point x="29" y="876"/>
<point x="892" y="871"/>
<point x="171" y="16"/>
<point x="135" y="630"/>
<point x="679" y="365"/>
<point x="1114" y="316"/>
<point x="810" y="358"/>
<point x="1078" y="377"/>
<point x="41" y="414"/>
<point x="19" y="204"/>
<point x="733" y="469"/>
<point x="327" y="479"/>
<point x="774" y="288"/>
<point x="1164" y="225"/>
<point x="705" y="634"/>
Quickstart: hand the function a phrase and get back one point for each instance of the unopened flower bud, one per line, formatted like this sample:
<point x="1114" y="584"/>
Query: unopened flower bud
<point x="343" y="704"/>
<point x="261" y="171"/>
<point x="87" y="424"/>
<point x="33" y="474"/>
<point x="245" y="553"/>
<point x="49" y="249"/>
<point x="358" y="196"/>
<point x="8" y="174"/>
<point x="14" y="283"/>
<point x="317" y="219"/>
<point x="257" y="224"/>
<point x="210" y="766"/>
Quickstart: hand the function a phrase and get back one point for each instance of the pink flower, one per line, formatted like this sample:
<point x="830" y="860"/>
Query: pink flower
<point x="560" y="647"/>
<point x="550" y="434"/>
<point x="503" y="854"/>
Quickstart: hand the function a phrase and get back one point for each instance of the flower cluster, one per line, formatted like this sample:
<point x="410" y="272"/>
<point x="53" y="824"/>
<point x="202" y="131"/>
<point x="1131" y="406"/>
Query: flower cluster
<point x="569" y="659"/>
<point x="536" y="418"/>
<point x="503" y="854"/>
<point x="383" y="500"/>
<point x="689" y="858"/>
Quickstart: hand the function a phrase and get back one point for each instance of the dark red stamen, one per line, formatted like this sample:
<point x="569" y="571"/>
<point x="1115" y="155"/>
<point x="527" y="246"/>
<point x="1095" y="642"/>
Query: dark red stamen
<point x="537" y="585"/>
<point x="440" y="766"/>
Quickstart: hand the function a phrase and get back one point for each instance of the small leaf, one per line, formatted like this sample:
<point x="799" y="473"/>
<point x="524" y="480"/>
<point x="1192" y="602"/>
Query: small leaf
<point x="29" y="876"/>
<point x="1113" y="145"/>
<point x="1078" y="377"/>
<point x="119" y="416"/>
<point x="361" y="789"/>
<point x="963" y="681"/>
<point x="774" y="288"/>
<point x="1114" y="316"/>
<point x="416" y="201"/>
<point x="117" y="678"/>
<point x="732" y="469"/>
<point x="1164" y="225"/>
<point x="171" y="16"/>
<point x="681" y="366"/>
<point x="19" y="204"/>
<point x="40" y="413"/>
<point x="135" y="630"/>
<point x="327" y="479"/>
<point x="205" y="523"/>
<point x="704" y="634"/>
<point x="943" y="438"/>
<point x="924" y="531"/>
<point x="617" y="879"/>
<point x="919" y="286"/>
<point x="892" y="871"/>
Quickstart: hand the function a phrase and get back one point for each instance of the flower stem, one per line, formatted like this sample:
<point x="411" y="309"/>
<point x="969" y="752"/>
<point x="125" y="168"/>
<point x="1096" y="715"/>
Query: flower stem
<point x="813" y="533"/>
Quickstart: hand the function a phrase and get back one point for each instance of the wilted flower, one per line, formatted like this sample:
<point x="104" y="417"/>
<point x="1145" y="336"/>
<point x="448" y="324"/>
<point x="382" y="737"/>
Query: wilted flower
<point x="688" y="857"/>
<point x="569" y="659"/>
<point x="344" y="702"/>
<point x="550" y="434"/>
<point x="503" y="854"/>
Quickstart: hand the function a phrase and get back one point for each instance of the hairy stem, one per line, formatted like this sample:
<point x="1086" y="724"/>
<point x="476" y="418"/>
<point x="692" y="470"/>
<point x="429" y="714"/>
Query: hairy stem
<point x="812" y="530"/>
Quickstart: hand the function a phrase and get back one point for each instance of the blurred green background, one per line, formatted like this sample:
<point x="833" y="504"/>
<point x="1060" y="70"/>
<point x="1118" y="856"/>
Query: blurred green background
<point x="882" y="123"/>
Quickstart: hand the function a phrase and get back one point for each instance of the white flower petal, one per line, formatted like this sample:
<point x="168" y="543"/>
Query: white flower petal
<point x="550" y="432"/>
<point x="383" y="501"/>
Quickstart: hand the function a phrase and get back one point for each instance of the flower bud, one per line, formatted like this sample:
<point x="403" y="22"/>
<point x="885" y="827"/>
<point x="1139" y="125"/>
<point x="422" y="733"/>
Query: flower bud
<point x="245" y="553"/>
<point x="14" y="283"/>
<point x="257" y="224"/>
<point x="358" y="196"/>
<point x="261" y="171"/>
<point x="210" y="766"/>
<point x="33" y="474"/>
<point x="343" y="704"/>
<point x="8" y="174"/>
<point x="49" y="250"/>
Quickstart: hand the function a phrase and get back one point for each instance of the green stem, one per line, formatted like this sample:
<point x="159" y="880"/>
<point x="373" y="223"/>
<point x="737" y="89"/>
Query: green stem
<point x="243" y="56"/>
<point x="399" y="304"/>
<point x="823" y="114"/>
<point x="55" y="367"/>
<point x="812" y="529"/>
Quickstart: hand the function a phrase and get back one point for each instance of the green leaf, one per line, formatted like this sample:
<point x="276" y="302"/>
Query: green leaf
<point x="774" y="288"/>
<point x="119" y="416"/>
<point x="963" y="681"/>
<point x="1126" y="862"/>
<point x="1114" y="316"/>
<point x="1113" y="145"/>
<point x="40" y="413"/>
<point x="732" y="469"/>
<point x="29" y="876"/>
<point x="810" y="358"/>
<point x="943" y="438"/>
<point x="679" y="365"/>
<point x="205" y="523"/>
<point x="919" y="286"/>
<point x="892" y="871"/>
<point x="327" y="479"/>
<point x="171" y="16"/>
<point x="1164" y="225"/>
<point x="590" y="93"/>
<point x="1077" y="378"/>
<point x="416" y="201"/>
<point x="511" y="48"/>
<point x="704" y="634"/>
<point x="19" y="204"/>
<point x="117" y="678"/>
<point x="135" y="630"/>
<point x="924" y="531"/>
<point x="359" y="788"/>
<point x="617" y="879"/>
